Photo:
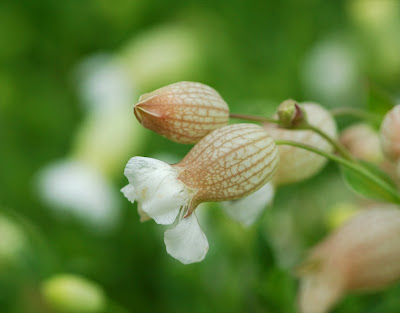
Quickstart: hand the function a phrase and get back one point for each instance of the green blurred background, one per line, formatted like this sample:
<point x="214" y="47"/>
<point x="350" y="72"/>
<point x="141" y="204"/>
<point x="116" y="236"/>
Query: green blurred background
<point x="52" y="109"/>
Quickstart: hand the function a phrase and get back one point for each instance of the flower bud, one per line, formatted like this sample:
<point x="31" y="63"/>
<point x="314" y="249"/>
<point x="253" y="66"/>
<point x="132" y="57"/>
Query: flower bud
<point x="298" y="164"/>
<point x="229" y="163"/>
<point x="73" y="294"/>
<point x="362" y="142"/>
<point x="290" y="114"/>
<point x="183" y="112"/>
<point x="390" y="134"/>
<point x="363" y="254"/>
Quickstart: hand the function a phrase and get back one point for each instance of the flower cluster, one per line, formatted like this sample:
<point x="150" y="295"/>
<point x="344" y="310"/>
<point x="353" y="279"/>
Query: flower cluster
<point x="241" y="166"/>
<point x="227" y="163"/>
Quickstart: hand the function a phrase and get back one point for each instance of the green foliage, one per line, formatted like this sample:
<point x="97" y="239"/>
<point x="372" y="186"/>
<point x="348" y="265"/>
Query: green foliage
<point x="371" y="189"/>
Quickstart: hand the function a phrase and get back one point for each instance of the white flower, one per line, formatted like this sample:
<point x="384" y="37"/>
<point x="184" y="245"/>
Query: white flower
<point x="246" y="210"/>
<point x="229" y="163"/>
<point x="164" y="198"/>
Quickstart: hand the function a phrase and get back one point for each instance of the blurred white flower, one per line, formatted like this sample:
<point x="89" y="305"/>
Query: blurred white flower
<point x="104" y="83"/>
<point x="248" y="209"/>
<point x="72" y="186"/>
<point x="330" y="71"/>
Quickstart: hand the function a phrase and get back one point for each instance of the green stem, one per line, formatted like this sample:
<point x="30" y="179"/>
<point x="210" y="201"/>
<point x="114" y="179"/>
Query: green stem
<point x="338" y="147"/>
<point x="349" y="164"/>
<point x="336" y="144"/>
<point x="254" y="118"/>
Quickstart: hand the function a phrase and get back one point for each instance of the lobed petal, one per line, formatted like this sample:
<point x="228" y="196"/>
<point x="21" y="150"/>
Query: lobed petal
<point x="246" y="210"/>
<point x="129" y="192"/>
<point x="186" y="242"/>
<point x="156" y="187"/>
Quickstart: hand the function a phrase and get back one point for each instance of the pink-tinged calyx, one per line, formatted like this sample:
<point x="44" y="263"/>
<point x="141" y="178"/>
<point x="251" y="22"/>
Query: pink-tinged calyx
<point x="183" y="112"/>
<point x="229" y="163"/>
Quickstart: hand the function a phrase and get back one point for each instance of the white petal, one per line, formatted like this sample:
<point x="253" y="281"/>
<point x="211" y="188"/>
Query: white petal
<point x="129" y="192"/>
<point x="143" y="216"/>
<point x="186" y="242"/>
<point x="157" y="188"/>
<point x="246" y="210"/>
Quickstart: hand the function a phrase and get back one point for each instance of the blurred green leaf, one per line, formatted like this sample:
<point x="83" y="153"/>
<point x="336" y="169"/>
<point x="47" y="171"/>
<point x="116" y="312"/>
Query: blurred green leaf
<point x="368" y="188"/>
<point x="379" y="103"/>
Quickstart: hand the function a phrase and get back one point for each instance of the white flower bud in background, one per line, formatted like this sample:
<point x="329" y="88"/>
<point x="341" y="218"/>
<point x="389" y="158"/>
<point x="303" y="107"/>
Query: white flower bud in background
<point x="229" y="163"/>
<point x="183" y="112"/>
<point x="298" y="164"/>
<point x="248" y="209"/>
<point x="68" y="293"/>
<point x="362" y="142"/>
<point x="390" y="134"/>
<point x="73" y="188"/>
<point x="331" y="72"/>
<point x="364" y="254"/>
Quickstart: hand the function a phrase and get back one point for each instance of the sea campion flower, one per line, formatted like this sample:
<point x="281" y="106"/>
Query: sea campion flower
<point x="297" y="164"/>
<point x="364" y="254"/>
<point x="390" y="134"/>
<point x="229" y="163"/>
<point x="183" y="112"/>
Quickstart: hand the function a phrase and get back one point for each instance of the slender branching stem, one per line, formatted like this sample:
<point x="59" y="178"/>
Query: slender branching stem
<point x="337" y="146"/>
<point x="347" y="163"/>
<point x="335" y="143"/>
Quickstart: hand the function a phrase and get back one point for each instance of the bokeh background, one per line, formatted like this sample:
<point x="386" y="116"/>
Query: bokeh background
<point x="70" y="72"/>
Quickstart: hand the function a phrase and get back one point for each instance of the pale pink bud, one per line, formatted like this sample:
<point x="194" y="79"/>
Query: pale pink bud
<point x="362" y="142"/>
<point x="183" y="112"/>
<point x="298" y="164"/>
<point x="229" y="163"/>
<point x="363" y="254"/>
<point x="390" y="134"/>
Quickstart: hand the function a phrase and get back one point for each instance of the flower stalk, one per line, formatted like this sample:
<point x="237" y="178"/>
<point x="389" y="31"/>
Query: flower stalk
<point x="349" y="164"/>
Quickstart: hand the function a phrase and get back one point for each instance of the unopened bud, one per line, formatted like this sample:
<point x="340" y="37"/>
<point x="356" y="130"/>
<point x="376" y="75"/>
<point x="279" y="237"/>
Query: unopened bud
<point x="362" y="142"/>
<point x="364" y="254"/>
<point x="297" y="164"/>
<point x="73" y="294"/>
<point x="290" y="114"/>
<point x="183" y="112"/>
<point x="390" y="134"/>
